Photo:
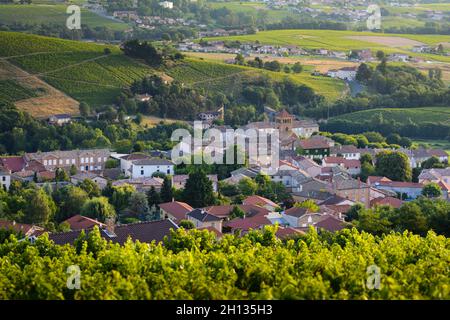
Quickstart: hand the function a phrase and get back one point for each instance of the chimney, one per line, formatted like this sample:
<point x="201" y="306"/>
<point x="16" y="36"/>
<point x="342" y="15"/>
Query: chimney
<point x="110" y="226"/>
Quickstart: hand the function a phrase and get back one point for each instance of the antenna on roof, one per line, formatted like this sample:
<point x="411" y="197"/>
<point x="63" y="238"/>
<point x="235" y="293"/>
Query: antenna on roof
<point x="110" y="225"/>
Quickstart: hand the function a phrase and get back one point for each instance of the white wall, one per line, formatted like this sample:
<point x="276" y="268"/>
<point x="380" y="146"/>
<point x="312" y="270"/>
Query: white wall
<point x="138" y="171"/>
<point x="5" y="181"/>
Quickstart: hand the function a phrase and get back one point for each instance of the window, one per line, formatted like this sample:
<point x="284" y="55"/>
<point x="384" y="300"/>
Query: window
<point x="168" y="171"/>
<point x="73" y="161"/>
<point x="67" y="161"/>
<point x="82" y="160"/>
<point x="99" y="159"/>
<point x="104" y="159"/>
<point x="142" y="172"/>
<point x="60" y="161"/>
<point x="45" y="162"/>
<point x="87" y="168"/>
<point x="92" y="159"/>
<point x="4" y="178"/>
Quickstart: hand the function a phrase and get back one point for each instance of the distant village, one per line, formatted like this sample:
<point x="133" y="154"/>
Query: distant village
<point x="323" y="172"/>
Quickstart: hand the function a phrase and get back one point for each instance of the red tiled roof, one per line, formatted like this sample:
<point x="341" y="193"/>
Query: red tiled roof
<point x="373" y="179"/>
<point x="330" y="223"/>
<point x="388" y="201"/>
<point x="143" y="231"/>
<point x="177" y="209"/>
<point x="47" y="175"/>
<point x="249" y="209"/>
<point x="284" y="114"/>
<point x="26" y="229"/>
<point x="259" y="201"/>
<point x="78" y="222"/>
<point x="339" y="208"/>
<point x="444" y="185"/>
<point x="285" y="232"/>
<point x="296" y="212"/>
<point x="13" y="164"/>
<point x="248" y="223"/>
<point x="317" y="142"/>
<point x="345" y="162"/>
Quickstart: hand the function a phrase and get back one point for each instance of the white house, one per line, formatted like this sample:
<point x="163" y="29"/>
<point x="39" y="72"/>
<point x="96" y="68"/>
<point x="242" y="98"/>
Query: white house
<point x="5" y="178"/>
<point x="166" y="4"/>
<point x="347" y="73"/>
<point x="60" y="119"/>
<point x="147" y="167"/>
<point x="348" y="152"/>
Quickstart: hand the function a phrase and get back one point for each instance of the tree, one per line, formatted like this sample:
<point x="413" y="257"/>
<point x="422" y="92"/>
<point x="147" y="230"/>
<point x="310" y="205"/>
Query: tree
<point x="374" y="137"/>
<point x="98" y="208"/>
<point x="70" y="200"/>
<point x="198" y="191"/>
<point x="61" y="175"/>
<point x="308" y="204"/>
<point x="139" y="204"/>
<point x="297" y="67"/>
<point x="85" y="110"/>
<point x="166" y="190"/>
<point x="73" y="170"/>
<point x="121" y="196"/>
<point x="364" y="73"/>
<point x="247" y="186"/>
<point x="393" y="165"/>
<point x="39" y="207"/>
<point x="237" y="212"/>
<point x="239" y="59"/>
<point x="432" y="162"/>
<point x="432" y="190"/>
<point x="380" y="55"/>
<point x="186" y="224"/>
<point x="91" y="188"/>
<point x="153" y="197"/>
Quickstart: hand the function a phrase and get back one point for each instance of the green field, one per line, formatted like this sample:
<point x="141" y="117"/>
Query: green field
<point x="79" y="69"/>
<point x="418" y="115"/>
<point x="54" y="13"/>
<point x="252" y="8"/>
<point x="340" y="40"/>
<point x="432" y="144"/>
<point x="12" y="91"/>
<point x="214" y="75"/>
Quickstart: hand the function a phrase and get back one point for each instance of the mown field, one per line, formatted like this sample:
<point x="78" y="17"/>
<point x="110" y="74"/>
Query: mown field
<point x="214" y="75"/>
<point x="345" y="40"/>
<point x="52" y="13"/>
<point x="418" y="115"/>
<point x="81" y="70"/>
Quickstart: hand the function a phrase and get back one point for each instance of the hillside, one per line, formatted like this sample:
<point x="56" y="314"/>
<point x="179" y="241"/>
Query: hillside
<point x="81" y="70"/>
<point x="33" y="14"/>
<point x="418" y="115"/>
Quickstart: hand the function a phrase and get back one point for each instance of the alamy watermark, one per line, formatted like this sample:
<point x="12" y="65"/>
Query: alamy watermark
<point x="74" y="278"/>
<point x="374" y="20"/>
<point x="373" y="277"/>
<point x="73" y="22"/>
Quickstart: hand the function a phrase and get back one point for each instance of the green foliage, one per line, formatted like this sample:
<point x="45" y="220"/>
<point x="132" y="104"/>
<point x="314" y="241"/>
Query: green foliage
<point x="186" y="224"/>
<point x="198" y="190"/>
<point x="308" y="204"/>
<point x="98" y="208"/>
<point x="192" y="264"/>
<point x="432" y="190"/>
<point x="393" y="165"/>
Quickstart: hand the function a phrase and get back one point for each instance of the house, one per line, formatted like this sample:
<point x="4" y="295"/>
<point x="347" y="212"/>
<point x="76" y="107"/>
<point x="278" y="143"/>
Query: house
<point x="387" y="201"/>
<point x="374" y="179"/>
<point x="147" y="167"/>
<point x="316" y="147"/>
<point x="306" y="164"/>
<point x="79" y="222"/>
<point x="353" y="167"/>
<point x="27" y="230"/>
<point x="346" y="73"/>
<point x="60" y="119"/>
<point x="142" y="184"/>
<point x="5" y="178"/>
<point x="435" y="175"/>
<point x="313" y="189"/>
<point x="126" y="160"/>
<point x="417" y="156"/>
<point x="349" y="152"/>
<point x="300" y="217"/>
<point x="83" y="160"/>
<point x="244" y="225"/>
<point x="260" y="201"/>
<point x="179" y="181"/>
<point x="203" y="219"/>
<point x="210" y="116"/>
<point x="337" y="204"/>
<point x="166" y="4"/>
<point x="143" y="97"/>
<point x="330" y="223"/>
<point x="407" y="190"/>
<point x="398" y="57"/>
<point x="365" y="55"/>
<point x="174" y="210"/>
<point x="249" y="210"/>
<point x="355" y="190"/>
<point x="13" y="164"/>
<point x="147" y="232"/>
<point x="98" y="179"/>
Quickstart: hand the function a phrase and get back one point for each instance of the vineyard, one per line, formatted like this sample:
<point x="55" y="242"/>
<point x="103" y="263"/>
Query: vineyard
<point x="11" y="91"/>
<point x="81" y="70"/>
<point x="194" y="265"/>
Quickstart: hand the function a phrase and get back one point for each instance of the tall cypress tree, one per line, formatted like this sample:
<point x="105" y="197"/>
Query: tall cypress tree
<point x="166" y="190"/>
<point x="198" y="191"/>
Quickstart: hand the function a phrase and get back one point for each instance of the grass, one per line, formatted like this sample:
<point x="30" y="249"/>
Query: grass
<point x="79" y="69"/>
<point x="433" y="144"/>
<point x="53" y="13"/>
<point x="338" y="40"/>
<point x="401" y="115"/>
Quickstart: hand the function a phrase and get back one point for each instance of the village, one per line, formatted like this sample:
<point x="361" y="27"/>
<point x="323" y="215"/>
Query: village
<point x="311" y="167"/>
